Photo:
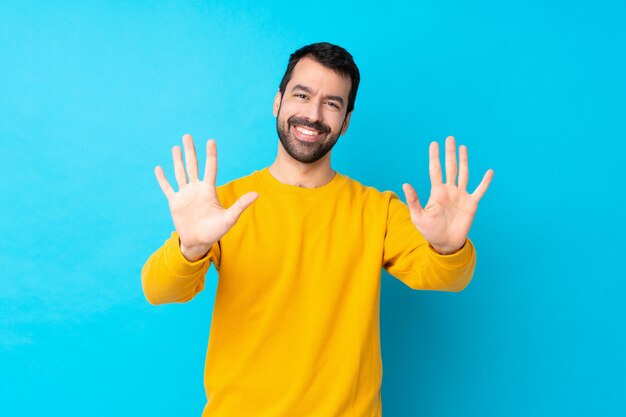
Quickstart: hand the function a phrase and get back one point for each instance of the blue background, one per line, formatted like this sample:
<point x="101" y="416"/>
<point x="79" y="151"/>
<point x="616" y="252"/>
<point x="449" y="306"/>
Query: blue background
<point x="93" y="96"/>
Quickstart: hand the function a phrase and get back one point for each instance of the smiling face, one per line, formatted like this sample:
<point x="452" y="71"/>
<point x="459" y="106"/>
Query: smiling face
<point x="311" y="115"/>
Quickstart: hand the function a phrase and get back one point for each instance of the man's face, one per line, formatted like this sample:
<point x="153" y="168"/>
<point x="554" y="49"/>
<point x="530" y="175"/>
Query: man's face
<point x="311" y="115"/>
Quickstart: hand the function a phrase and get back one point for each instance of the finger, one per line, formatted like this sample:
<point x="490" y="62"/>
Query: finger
<point x="210" y="169"/>
<point x="164" y="183"/>
<point x="179" y="169"/>
<point x="434" y="165"/>
<point x="191" y="161"/>
<point x="484" y="184"/>
<point x="240" y="205"/>
<point x="451" y="160"/>
<point x="463" y="168"/>
<point x="412" y="200"/>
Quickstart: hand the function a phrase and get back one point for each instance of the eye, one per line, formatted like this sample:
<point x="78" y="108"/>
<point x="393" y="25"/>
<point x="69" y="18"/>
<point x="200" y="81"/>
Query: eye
<point x="333" y="105"/>
<point x="300" y="96"/>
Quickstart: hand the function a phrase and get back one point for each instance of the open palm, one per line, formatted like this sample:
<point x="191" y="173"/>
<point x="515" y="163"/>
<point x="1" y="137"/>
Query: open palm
<point x="446" y="219"/>
<point x="198" y="215"/>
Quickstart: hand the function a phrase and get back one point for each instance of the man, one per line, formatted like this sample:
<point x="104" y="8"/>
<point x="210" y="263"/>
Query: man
<point x="299" y="253"/>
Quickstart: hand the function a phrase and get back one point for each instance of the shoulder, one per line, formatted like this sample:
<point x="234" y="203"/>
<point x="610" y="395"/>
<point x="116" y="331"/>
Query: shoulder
<point x="369" y="194"/>
<point x="369" y="190"/>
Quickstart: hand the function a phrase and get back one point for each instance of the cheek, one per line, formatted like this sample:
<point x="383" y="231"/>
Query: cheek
<point x="336" y="123"/>
<point x="286" y="111"/>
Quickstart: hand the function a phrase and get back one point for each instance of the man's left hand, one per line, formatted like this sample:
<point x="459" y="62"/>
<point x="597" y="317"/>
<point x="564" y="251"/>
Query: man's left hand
<point x="446" y="219"/>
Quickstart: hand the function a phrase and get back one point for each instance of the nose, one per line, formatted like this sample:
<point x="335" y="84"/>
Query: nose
<point x="313" y="111"/>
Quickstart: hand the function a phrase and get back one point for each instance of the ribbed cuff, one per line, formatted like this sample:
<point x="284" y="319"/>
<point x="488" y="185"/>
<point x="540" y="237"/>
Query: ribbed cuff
<point x="454" y="260"/>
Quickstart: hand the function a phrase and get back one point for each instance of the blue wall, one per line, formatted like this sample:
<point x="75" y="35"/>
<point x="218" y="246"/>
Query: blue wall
<point x="93" y="96"/>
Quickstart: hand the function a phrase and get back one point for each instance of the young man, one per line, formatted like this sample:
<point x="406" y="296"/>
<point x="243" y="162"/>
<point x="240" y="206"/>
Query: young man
<point x="299" y="253"/>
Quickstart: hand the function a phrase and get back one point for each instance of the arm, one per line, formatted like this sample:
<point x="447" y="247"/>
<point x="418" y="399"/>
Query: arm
<point x="175" y="272"/>
<point x="437" y="247"/>
<point x="168" y="277"/>
<point x="410" y="258"/>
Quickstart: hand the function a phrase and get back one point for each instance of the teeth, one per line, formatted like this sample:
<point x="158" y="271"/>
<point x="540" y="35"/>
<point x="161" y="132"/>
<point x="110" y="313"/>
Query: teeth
<point x="307" y="131"/>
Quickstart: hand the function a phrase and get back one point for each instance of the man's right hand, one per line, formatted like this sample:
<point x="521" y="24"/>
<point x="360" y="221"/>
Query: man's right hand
<point x="198" y="216"/>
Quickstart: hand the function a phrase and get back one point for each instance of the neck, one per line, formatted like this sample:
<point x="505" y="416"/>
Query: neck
<point x="292" y="172"/>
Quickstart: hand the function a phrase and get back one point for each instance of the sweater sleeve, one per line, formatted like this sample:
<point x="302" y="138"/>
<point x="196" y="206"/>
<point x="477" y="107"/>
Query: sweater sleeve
<point x="410" y="258"/>
<point x="167" y="277"/>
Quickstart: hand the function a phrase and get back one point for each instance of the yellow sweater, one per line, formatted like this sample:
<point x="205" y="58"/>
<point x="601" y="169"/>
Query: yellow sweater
<point x="295" y="326"/>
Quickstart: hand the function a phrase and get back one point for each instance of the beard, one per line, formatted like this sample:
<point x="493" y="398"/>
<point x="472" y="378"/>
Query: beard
<point x="305" y="152"/>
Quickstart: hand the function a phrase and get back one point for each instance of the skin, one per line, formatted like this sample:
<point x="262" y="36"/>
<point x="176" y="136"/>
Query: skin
<point x="318" y="96"/>
<point x="314" y="105"/>
<point x="446" y="219"/>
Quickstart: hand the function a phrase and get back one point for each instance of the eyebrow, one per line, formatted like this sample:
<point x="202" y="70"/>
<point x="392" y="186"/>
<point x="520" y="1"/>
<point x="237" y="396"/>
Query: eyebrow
<point x="308" y="90"/>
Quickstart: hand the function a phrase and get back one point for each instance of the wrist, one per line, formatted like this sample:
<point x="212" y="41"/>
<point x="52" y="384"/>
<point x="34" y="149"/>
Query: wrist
<point x="447" y="250"/>
<point x="194" y="253"/>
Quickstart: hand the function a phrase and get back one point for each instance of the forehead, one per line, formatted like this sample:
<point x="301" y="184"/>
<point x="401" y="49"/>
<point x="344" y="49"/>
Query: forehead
<point x="314" y="75"/>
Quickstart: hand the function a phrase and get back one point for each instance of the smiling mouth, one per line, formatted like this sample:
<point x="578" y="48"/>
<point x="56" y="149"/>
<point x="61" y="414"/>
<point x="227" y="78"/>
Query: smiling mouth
<point x="306" y="134"/>
<point x="307" y="131"/>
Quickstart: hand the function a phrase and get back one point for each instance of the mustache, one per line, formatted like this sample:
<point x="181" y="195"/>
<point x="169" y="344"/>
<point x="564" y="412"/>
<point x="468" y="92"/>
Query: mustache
<point x="293" y="120"/>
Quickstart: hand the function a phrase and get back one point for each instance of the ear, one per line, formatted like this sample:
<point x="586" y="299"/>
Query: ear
<point x="277" y="100"/>
<point x="346" y="123"/>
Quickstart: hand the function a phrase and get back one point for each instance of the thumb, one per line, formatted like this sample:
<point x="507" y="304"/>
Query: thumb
<point x="240" y="205"/>
<point x="412" y="200"/>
